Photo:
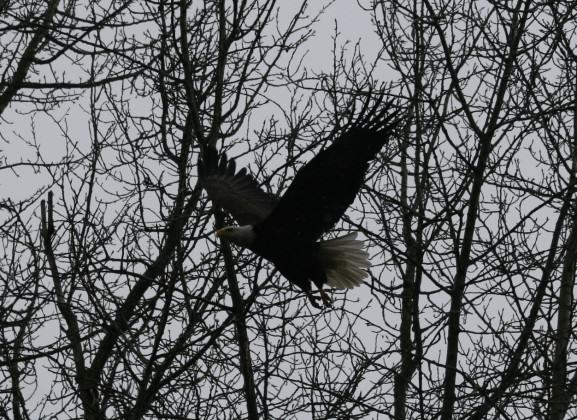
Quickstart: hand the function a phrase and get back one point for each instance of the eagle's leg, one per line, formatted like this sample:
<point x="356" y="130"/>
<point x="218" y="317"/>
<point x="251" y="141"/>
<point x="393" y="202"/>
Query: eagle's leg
<point x="319" y="278"/>
<point x="327" y="301"/>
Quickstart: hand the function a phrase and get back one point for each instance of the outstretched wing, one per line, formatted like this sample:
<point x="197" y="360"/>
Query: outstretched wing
<point x="237" y="192"/>
<point x="326" y="186"/>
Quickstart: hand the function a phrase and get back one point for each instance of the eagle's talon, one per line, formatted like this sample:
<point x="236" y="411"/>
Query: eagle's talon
<point x="313" y="299"/>
<point x="327" y="301"/>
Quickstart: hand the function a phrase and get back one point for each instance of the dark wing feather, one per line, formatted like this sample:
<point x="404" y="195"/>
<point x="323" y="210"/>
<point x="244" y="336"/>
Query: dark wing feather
<point x="323" y="189"/>
<point x="237" y="192"/>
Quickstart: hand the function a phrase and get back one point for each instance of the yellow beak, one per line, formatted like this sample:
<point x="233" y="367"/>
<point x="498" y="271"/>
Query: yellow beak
<point x="220" y="233"/>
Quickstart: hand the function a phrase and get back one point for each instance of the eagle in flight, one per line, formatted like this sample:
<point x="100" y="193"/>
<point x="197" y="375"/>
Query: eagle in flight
<point x="287" y="231"/>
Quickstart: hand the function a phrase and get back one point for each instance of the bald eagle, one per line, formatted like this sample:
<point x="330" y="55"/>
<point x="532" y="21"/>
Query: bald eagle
<point x="286" y="231"/>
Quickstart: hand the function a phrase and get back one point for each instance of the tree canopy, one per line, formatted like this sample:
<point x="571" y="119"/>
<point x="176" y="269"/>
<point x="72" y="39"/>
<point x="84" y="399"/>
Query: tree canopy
<point x="117" y="300"/>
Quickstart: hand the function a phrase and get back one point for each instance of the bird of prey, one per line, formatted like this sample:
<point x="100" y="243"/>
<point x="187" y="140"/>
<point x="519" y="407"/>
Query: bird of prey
<point x="287" y="231"/>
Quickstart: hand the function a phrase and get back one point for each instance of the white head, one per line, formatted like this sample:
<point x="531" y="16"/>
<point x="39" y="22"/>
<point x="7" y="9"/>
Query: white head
<point x="240" y="235"/>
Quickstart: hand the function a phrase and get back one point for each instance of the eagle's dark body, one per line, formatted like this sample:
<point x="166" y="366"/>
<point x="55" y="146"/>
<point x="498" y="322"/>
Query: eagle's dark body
<point x="296" y="260"/>
<point x="287" y="232"/>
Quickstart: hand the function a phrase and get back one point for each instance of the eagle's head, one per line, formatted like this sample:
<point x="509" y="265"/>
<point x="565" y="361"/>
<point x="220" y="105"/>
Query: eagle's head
<point x="239" y="235"/>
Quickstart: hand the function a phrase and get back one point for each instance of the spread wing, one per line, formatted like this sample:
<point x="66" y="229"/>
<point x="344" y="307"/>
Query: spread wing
<point x="324" y="188"/>
<point x="237" y="192"/>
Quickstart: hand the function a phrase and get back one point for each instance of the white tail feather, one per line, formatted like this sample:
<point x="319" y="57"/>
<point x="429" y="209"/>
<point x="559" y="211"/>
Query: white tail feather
<point x="343" y="260"/>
